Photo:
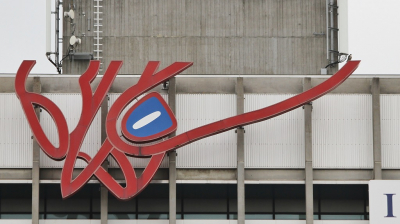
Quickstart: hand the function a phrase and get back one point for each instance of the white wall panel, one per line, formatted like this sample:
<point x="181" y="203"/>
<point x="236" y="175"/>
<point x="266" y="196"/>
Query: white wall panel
<point x="277" y="142"/>
<point x="342" y="131"/>
<point x="15" y="137"/>
<point x="390" y="131"/>
<point x="195" y="110"/>
<point x="71" y="105"/>
<point x="136" y="162"/>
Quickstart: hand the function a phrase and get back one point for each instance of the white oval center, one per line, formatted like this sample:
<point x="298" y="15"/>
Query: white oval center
<point x="146" y="120"/>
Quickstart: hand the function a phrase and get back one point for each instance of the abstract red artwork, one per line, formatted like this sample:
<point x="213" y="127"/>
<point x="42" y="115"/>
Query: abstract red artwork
<point x="138" y="128"/>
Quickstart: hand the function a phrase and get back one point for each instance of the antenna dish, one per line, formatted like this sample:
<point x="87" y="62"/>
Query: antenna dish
<point x="70" y="14"/>
<point x="74" y="40"/>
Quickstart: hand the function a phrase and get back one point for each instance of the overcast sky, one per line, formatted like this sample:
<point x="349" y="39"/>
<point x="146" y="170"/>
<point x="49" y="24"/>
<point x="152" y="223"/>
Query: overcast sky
<point x="373" y="35"/>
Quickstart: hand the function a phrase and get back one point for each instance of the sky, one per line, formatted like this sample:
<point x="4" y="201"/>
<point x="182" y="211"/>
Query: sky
<point x="371" y="33"/>
<point x="23" y="35"/>
<point x="374" y="35"/>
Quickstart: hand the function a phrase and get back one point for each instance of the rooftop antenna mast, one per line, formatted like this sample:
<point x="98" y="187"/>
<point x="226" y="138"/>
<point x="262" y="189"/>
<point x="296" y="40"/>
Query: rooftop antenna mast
<point x="56" y="52"/>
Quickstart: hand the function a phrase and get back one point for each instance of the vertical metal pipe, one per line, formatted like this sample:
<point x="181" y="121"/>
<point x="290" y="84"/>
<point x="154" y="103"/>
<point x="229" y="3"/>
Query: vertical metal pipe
<point x="327" y="31"/>
<point x="57" y="60"/>
<point x="332" y="37"/>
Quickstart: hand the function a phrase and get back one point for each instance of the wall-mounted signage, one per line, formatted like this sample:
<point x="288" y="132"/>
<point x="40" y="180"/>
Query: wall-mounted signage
<point x="384" y="201"/>
<point x="147" y="120"/>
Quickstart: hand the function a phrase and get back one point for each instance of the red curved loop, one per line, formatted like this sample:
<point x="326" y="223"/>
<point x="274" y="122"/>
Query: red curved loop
<point x="133" y="185"/>
<point x="70" y="144"/>
<point x="148" y="80"/>
<point x="28" y="100"/>
<point x="223" y="125"/>
<point x="90" y="105"/>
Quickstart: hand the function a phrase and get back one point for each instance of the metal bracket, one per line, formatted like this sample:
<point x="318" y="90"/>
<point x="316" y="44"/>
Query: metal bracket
<point x="165" y="85"/>
<point x="242" y="128"/>
<point x="309" y="103"/>
<point x="175" y="153"/>
<point x="333" y="6"/>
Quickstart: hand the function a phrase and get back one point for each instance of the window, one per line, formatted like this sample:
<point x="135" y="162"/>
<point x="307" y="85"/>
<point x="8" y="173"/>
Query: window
<point x="79" y="206"/>
<point x="342" y="202"/>
<point x="194" y="201"/>
<point x="16" y="201"/>
<point x="204" y="201"/>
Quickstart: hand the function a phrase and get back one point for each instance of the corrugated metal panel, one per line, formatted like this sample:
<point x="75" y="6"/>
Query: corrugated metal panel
<point x="390" y="131"/>
<point x="342" y="131"/>
<point x="71" y="106"/>
<point x="275" y="143"/>
<point x="195" y="110"/>
<point x="137" y="162"/>
<point x="15" y="137"/>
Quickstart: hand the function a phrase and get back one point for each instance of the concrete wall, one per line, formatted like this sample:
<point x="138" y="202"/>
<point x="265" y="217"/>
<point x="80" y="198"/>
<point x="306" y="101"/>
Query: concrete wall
<point x="220" y="37"/>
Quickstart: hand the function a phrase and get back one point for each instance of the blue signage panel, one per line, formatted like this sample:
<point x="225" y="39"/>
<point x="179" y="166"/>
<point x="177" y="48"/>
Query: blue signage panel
<point x="150" y="118"/>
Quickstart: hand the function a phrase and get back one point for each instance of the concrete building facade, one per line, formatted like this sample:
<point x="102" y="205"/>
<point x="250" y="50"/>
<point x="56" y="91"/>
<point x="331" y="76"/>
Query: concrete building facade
<point x="310" y="165"/>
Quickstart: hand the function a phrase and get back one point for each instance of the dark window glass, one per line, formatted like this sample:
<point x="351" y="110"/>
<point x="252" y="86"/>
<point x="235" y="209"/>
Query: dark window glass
<point x="78" y="206"/>
<point x="342" y="202"/>
<point x="290" y="199"/>
<point x="194" y="201"/>
<point x="205" y="198"/>
<point x="16" y="201"/>
<point x="153" y="202"/>
<point x="258" y="200"/>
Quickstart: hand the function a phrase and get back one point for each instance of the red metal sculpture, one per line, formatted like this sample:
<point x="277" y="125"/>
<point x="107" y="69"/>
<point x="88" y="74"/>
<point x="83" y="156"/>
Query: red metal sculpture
<point x="70" y="143"/>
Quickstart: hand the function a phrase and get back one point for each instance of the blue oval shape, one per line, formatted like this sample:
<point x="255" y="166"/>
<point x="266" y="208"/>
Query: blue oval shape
<point x="155" y="126"/>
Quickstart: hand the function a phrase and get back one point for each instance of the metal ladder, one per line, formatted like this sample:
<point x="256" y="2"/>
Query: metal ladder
<point x="331" y="31"/>
<point x="97" y="24"/>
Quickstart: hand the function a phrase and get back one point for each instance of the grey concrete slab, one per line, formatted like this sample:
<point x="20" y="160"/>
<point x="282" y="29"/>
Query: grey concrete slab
<point x="274" y="174"/>
<point x="206" y="174"/>
<point x="205" y="85"/>
<point x="15" y="174"/>
<point x="273" y="85"/>
<point x="390" y="174"/>
<point x="389" y="85"/>
<point x="351" y="175"/>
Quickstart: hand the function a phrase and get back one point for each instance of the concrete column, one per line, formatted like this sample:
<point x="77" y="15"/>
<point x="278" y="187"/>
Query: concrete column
<point x="240" y="153"/>
<point x="172" y="156"/>
<point x="376" y="126"/>
<point x="103" y="189"/>
<point x="308" y="156"/>
<point x="37" y="88"/>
